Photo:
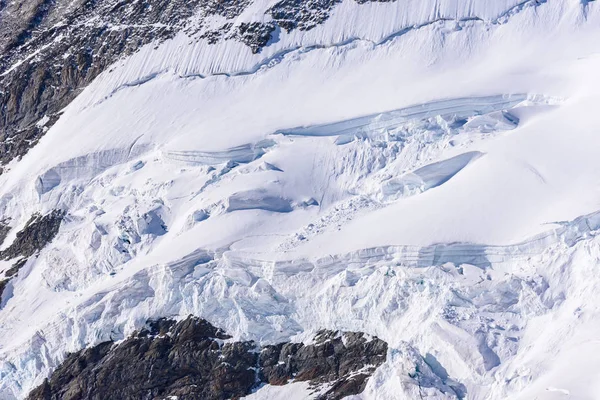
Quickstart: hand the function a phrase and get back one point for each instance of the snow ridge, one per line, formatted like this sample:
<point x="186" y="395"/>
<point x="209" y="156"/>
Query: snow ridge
<point x="279" y="56"/>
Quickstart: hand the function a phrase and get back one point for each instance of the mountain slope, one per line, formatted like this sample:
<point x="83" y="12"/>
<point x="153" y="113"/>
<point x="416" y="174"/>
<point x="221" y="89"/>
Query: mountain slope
<point x="420" y="171"/>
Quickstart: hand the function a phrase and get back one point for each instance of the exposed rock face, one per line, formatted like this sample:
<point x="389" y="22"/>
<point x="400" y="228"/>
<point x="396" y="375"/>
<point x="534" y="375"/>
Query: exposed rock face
<point x="50" y="50"/>
<point x="3" y="284"/>
<point x="192" y="359"/>
<point x="305" y="15"/>
<point x="346" y="359"/>
<point x="37" y="233"/>
<point x="214" y="36"/>
<point x="4" y="229"/>
<point x="299" y="14"/>
<point x="256" y="35"/>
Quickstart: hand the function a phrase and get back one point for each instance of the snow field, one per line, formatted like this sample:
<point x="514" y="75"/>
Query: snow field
<point x="430" y="179"/>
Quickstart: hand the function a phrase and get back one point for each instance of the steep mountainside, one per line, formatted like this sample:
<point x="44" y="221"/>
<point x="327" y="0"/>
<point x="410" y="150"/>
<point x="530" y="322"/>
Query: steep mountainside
<point x="288" y="199"/>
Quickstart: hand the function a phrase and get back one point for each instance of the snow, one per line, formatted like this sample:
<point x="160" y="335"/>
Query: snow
<point x="257" y="200"/>
<point x="423" y="171"/>
<point x="429" y="176"/>
<point x="291" y="391"/>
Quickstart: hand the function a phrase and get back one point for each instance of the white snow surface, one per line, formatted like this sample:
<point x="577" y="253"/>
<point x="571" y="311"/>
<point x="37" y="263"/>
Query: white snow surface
<point x="423" y="171"/>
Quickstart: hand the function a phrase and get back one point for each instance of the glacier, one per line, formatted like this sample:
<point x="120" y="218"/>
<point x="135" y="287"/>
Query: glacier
<point x="422" y="171"/>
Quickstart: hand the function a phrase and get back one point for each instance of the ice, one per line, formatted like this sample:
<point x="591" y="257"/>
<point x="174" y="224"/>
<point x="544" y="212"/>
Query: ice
<point x="429" y="176"/>
<point x="47" y="181"/>
<point x="268" y="167"/>
<point x="200" y="215"/>
<point x="83" y="167"/>
<point x="187" y="192"/>
<point x="151" y="223"/>
<point x="465" y="107"/>
<point x="492" y="122"/>
<point x="241" y="154"/>
<point x="258" y="200"/>
<point x="137" y="165"/>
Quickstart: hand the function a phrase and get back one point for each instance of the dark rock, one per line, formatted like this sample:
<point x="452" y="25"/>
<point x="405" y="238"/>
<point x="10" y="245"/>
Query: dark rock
<point x="50" y="50"/>
<point x="15" y="268"/>
<point x="225" y="8"/>
<point x="190" y="359"/>
<point x="301" y="14"/>
<point x="373" y="1"/>
<point x="214" y="36"/>
<point x="4" y="229"/>
<point x="255" y="35"/>
<point x="349" y="386"/>
<point x="37" y="233"/>
<point x="335" y="357"/>
<point x="305" y="14"/>
<point x="3" y="284"/>
<point x="67" y="44"/>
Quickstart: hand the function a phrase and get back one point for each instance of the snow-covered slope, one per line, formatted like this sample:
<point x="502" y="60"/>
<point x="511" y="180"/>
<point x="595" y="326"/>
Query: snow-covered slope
<point x="423" y="171"/>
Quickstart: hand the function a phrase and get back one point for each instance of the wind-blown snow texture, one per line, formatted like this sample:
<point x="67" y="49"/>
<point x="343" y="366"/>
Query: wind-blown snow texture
<point x="423" y="171"/>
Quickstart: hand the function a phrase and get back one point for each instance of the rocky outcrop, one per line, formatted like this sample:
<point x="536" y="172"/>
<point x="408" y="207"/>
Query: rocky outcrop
<point x="37" y="233"/>
<point x="4" y="229"/>
<point x="305" y="15"/>
<point x="255" y="35"/>
<point x="51" y="50"/>
<point x="3" y="284"/>
<point x="302" y="15"/>
<point x="345" y="360"/>
<point x="192" y="359"/>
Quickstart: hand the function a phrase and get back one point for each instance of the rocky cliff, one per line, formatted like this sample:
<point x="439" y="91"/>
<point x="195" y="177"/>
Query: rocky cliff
<point x="191" y="359"/>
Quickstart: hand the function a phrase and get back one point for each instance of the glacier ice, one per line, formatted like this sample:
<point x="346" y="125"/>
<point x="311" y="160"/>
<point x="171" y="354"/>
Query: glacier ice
<point x="275" y="194"/>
